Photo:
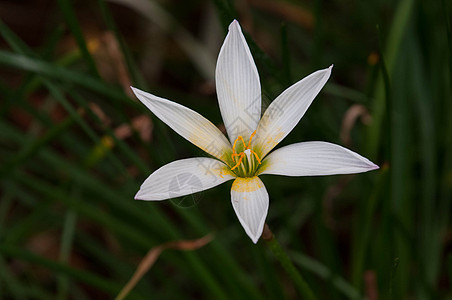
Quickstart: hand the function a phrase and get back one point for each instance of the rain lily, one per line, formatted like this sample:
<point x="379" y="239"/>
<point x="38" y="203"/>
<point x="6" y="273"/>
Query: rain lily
<point x="246" y="153"/>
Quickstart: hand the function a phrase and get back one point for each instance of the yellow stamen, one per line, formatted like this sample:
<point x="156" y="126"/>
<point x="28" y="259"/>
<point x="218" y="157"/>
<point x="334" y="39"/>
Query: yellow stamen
<point x="236" y="154"/>
<point x="257" y="157"/>
<point x="251" y="137"/>
<point x="235" y="142"/>
<point x="242" y="154"/>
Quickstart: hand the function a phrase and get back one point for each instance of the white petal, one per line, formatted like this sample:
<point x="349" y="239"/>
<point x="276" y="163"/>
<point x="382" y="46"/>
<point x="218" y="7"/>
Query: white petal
<point x="183" y="177"/>
<point x="250" y="201"/>
<point x="315" y="158"/>
<point x="286" y="111"/>
<point x="188" y="123"/>
<point x="238" y="85"/>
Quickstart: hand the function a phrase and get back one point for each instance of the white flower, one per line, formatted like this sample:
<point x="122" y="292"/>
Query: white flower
<point x="251" y="138"/>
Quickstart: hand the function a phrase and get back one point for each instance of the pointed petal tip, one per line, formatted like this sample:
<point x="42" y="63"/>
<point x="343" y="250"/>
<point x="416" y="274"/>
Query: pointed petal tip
<point x="373" y="166"/>
<point x="370" y="165"/>
<point x="254" y="237"/>
<point x="250" y="202"/>
<point x="136" y="91"/>
<point x="326" y="72"/>
<point x="234" y="25"/>
<point x="330" y="69"/>
<point x="140" y="196"/>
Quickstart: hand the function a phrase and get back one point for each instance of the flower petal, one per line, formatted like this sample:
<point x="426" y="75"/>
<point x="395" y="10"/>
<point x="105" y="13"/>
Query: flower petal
<point x="315" y="158"/>
<point x="286" y="111"/>
<point x="238" y="85"/>
<point x="188" y="123"/>
<point x="250" y="201"/>
<point x="183" y="177"/>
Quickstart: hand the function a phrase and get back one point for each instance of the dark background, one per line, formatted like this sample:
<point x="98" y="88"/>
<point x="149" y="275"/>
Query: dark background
<point x="75" y="145"/>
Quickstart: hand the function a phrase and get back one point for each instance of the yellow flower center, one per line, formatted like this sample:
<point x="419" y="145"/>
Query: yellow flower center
<point x="246" y="161"/>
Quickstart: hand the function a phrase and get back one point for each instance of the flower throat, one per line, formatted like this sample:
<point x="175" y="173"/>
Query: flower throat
<point x="246" y="161"/>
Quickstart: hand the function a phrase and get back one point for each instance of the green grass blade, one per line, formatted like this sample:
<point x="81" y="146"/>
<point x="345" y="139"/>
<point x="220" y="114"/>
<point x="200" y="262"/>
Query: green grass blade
<point x="47" y="69"/>
<point x="69" y="15"/>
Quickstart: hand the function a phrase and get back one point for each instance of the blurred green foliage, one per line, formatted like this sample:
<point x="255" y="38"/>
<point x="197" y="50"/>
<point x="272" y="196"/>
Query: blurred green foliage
<point x="75" y="145"/>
